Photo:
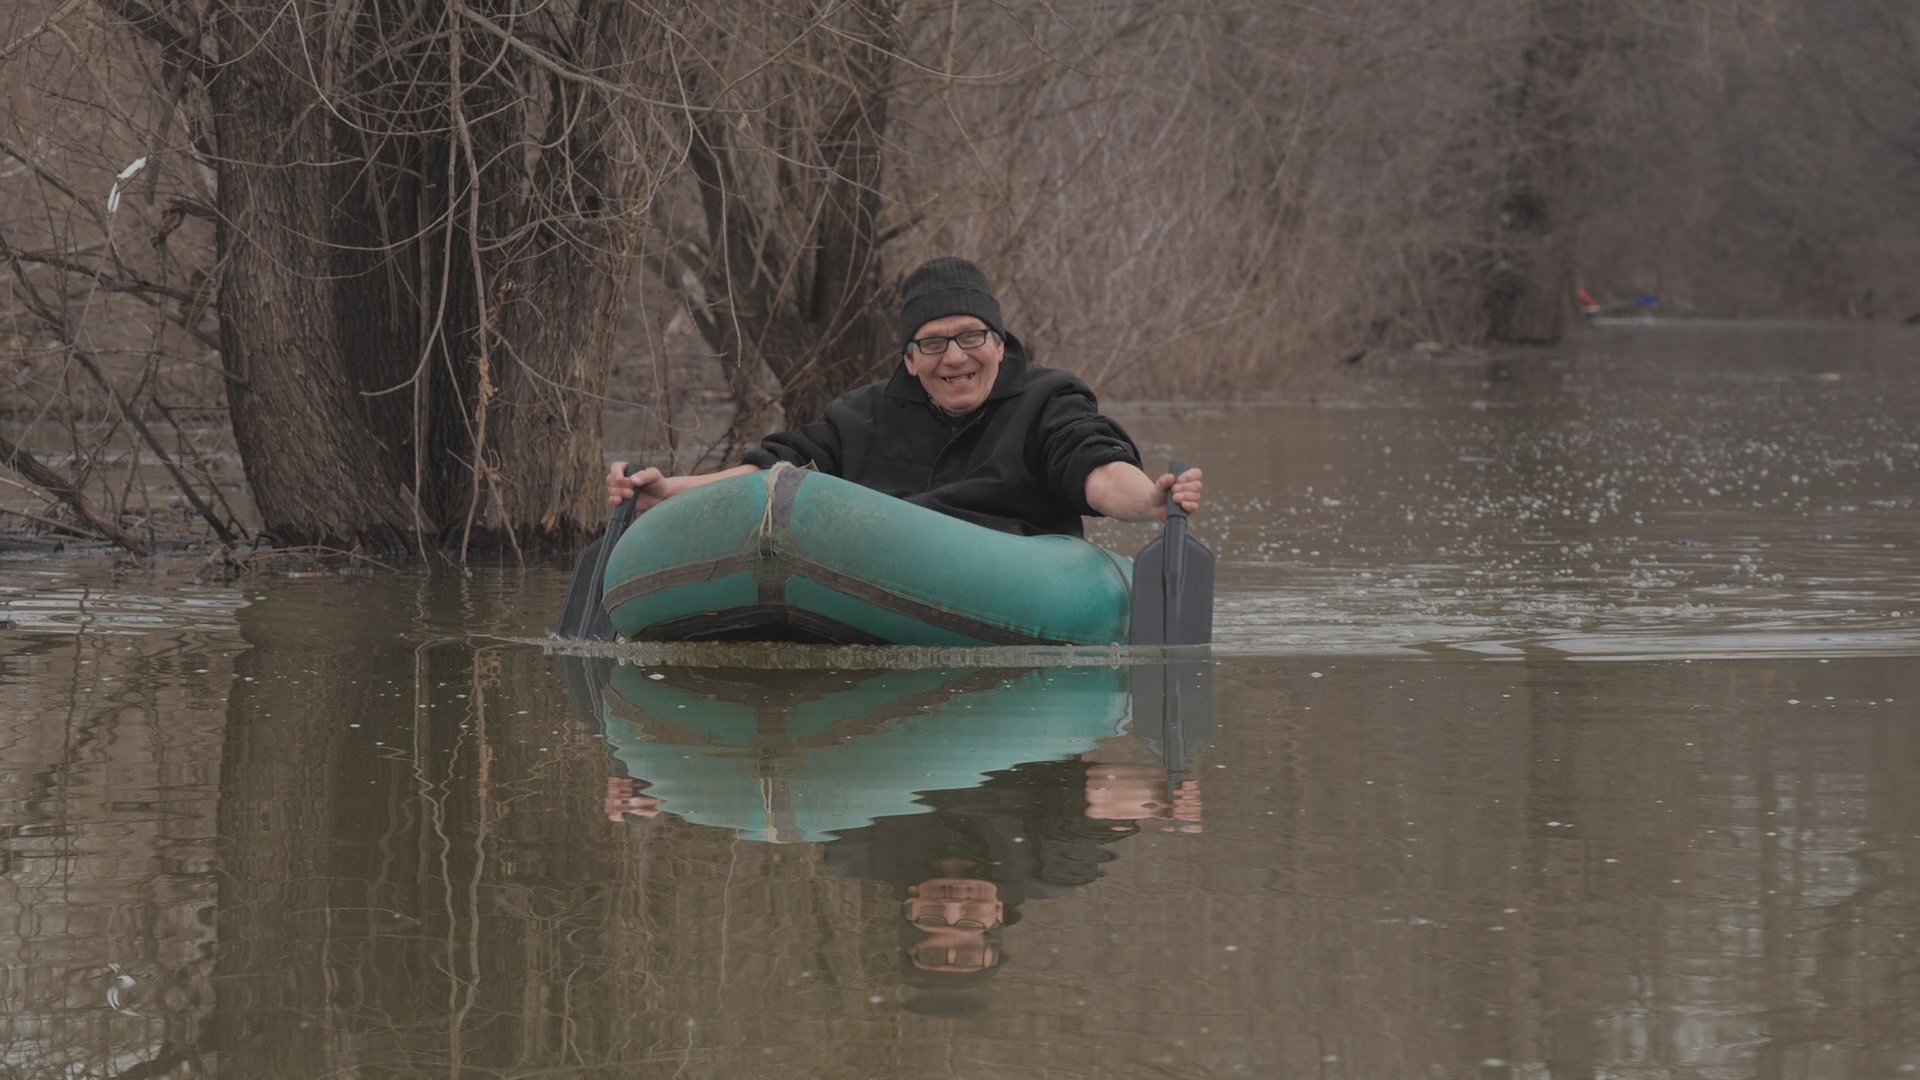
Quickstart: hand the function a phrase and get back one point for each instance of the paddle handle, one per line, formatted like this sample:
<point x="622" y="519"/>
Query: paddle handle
<point x="622" y="517"/>
<point x="623" y="514"/>
<point x="1174" y="509"/>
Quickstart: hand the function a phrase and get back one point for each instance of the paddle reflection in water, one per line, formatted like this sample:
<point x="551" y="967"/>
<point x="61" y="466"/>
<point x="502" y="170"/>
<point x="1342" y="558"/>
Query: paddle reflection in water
<point x="970" y="792"/>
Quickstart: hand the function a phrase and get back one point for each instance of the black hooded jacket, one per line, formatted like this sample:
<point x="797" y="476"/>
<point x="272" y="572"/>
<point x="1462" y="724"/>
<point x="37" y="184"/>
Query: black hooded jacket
<point x="1019" y="463"/>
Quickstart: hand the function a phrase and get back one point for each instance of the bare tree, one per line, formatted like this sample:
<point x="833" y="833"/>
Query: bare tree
<point x="784" y="117"/>
<point x="422" y="217"/>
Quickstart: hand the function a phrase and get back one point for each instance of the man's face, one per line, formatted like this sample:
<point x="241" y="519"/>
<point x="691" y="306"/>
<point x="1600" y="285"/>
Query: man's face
<point x="954" y="915"/>
<point x="958" y="380"/>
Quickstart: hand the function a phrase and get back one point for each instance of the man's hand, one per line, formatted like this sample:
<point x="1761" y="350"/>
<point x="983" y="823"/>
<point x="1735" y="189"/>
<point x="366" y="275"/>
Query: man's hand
<point x="1186" y="490"/>
<point x="649" y="486"/>
<point x="1139" y="793"/>
<point x="1120" y="490"/>
<point x="624" y="797"/>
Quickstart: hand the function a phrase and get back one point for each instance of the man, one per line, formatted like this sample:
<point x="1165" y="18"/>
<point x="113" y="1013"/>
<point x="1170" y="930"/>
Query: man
<point x="965" y="426"/>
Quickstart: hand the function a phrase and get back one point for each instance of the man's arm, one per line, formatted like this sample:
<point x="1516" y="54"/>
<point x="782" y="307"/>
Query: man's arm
<point x="652" y="487"/>
<point x="1119" y="489"/>
<point x="816" y="445"/>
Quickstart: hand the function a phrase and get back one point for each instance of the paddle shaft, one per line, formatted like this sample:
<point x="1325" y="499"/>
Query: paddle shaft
<point x="617" y="524"/>
<point x="1176" y="555"/>
<point x="583" y="617"/>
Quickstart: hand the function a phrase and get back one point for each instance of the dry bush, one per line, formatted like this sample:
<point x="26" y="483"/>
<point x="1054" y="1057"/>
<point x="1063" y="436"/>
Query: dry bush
<point x="117" y="268"/>
<point x="773" y="240"/>
<point x="1186" y="200"/>
<point x="1761" y="161"/>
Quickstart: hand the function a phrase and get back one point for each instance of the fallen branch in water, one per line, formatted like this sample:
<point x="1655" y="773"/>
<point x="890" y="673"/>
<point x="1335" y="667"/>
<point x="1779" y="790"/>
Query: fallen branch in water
<point x="23" y="462"/>
<point x="49" y="523"/>
<point x="227" y="564"/>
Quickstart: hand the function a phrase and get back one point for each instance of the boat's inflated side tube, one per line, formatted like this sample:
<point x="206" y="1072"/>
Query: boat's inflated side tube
<point x="797" y="755"/>
<point x="795" y="555"/>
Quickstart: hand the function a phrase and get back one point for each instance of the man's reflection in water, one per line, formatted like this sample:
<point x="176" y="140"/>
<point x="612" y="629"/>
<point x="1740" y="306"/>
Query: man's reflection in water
<point x="963" y="870"/>
<point x="836" y="759"/>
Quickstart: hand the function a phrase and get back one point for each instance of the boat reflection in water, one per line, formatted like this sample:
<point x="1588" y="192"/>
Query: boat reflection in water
<point x="970" y="792"/>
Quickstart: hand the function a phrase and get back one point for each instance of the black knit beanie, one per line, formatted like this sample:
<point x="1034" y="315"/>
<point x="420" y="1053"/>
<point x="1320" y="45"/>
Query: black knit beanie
<point x="942" y="287"/>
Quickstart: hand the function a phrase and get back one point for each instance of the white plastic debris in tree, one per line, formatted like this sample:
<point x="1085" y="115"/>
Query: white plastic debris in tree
<point x="126" y="174"/>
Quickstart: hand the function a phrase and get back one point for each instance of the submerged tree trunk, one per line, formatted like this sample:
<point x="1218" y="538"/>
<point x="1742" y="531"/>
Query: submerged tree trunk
<point x="427" y="215"/>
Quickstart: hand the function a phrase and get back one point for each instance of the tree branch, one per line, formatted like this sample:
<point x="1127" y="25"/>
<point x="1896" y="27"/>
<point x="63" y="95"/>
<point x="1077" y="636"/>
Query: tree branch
<point x="46" y="24"/>
<point x="147" y="291"/>
<point x="178" y="49"/>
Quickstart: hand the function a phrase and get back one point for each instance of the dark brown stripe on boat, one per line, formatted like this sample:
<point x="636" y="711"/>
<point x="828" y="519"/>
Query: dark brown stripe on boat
<point x="774" y="622"/>
<point x="931" y="614"/>
<point x="679" y="575"/>
<point x="774" y="612"/>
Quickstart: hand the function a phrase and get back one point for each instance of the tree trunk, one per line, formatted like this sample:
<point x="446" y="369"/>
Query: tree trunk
<point x="1528" y="282"/>
<point x="425" y="245"/>
<point x="311" y="456"/>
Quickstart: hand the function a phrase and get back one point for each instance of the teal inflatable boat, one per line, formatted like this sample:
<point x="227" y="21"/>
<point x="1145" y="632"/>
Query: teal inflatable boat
<point x="796" y="756"/>
<point x="795" y="555"/>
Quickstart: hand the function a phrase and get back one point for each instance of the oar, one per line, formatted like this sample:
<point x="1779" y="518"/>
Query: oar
<point x="583" y="617"/>
<point x="1173" y="713"/>
<point x="1173" y="584"/>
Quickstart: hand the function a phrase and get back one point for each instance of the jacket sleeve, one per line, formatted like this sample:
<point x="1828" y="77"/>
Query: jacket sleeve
<point x="816" y="444"/>
<point x="1076" y="439"/>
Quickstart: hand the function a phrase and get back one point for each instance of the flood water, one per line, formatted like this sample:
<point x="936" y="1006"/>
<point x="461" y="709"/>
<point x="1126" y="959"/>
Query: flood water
<point x="1561" y="724"/>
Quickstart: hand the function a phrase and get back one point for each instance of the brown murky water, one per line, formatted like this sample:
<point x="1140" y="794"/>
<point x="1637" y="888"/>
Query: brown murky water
<point x="1563" y="725"/>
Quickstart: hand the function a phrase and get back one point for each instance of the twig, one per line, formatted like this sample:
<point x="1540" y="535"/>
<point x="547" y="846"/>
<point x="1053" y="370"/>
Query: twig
<point x="189" y="304"/>
<point x="174" y="43"/>
<point x="554" y="67"/>
<point x="314" y="551"/>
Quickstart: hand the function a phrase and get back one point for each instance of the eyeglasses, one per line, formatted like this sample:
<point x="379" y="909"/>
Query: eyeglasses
<point x="966" y="339"/>
<point x="935" y="920"/>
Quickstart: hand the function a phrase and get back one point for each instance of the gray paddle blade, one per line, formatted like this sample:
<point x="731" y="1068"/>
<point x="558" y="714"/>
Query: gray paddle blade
<point x="1173" y="584"/>
<point x="1173" y="710"/>
<point x="583" y="617"/>
<point x="1185" y="618"/>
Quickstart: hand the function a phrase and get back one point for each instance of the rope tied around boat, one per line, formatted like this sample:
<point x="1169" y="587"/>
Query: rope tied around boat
<point x="783" y="482"/>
